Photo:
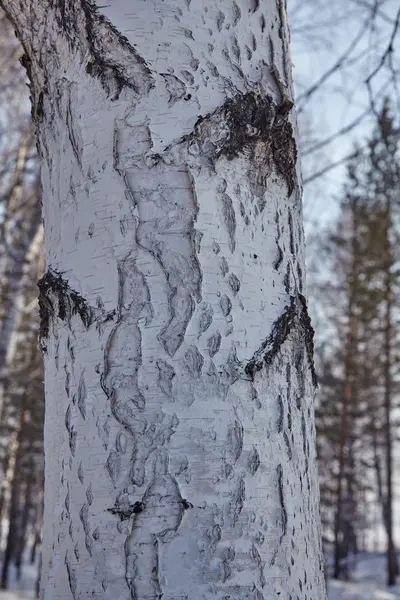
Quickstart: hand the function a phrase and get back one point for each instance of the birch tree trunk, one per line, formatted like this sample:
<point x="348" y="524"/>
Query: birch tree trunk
<point x="179" y="436"/>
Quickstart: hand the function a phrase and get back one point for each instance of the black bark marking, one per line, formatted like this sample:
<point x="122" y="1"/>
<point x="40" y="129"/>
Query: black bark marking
<point x="234" y="283"/>
<point x="299" y="366"/>
<point x="253" y="124"/>
<point x="304" y="436"/>
<point x="288" y="445"/>
<point x="236" y="49"/>
<point x="112" y="58"/>
<point x="193" y="361"/>
<point x="279" y="259"/>
<point x="253" y="461"/>
<point x="226" y="305"/>
<point x="295" y="315"/>
<point x="74" y="132"/>
<point x="216" y="247"/>
<point x="228" y="215"/>
<point x="237" y="503"/>
<point x="166" y="373"/>
<point x="71" y="350"/>
<point x="76" y="552"/>
<point x="121" y="443"/>
<point x="284" y="516"/>
<point x="300" y="277"/>
<point x="255" y="555"/>
<point x="206" y="318"/>
<point x="71" y="431"/>
<point x="220" y="20"/>
<point x="188" y="76"/>
<point x="113" y="466"/>
<point x="291" y="237"/>
<point x="254" y="5"/>
<point x="71" y="576"/>
<point x="57" y="299"/>
<point x="89" y="495"/>
<point x="281" y="412"/>
<point x="89" y="545"/>
<point x="84" y="518"/>
<point x="214" y="343"/>
<point x="235" y="439"/>
<point x="175" y="87"/>
<point x="82" y="395"/>
<point x="224" y="266"/>
<point x="231" y="370"/>
<point x="126" y="512"/>
<point x="237" y="13"/>
<point x="181" y="308"/>
<point x="226" y="569"/>
<point x="67" y="501"/>
<point x="67" y="381"/>
<point x="80" y="473"/>
<point x="286" y="279"/>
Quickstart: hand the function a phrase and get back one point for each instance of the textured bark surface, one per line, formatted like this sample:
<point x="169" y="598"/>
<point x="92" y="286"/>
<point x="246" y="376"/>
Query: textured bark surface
<point x="180" y="459"/>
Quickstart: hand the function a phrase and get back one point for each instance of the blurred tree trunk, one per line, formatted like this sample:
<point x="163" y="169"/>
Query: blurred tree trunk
<point x="341" y="531"/>
<point x="14" y="513"/>
<point x="388" y="364"/>
<point x="24" y="520"/>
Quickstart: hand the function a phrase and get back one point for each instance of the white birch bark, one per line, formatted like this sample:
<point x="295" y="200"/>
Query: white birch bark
<point x="180" y="458"/>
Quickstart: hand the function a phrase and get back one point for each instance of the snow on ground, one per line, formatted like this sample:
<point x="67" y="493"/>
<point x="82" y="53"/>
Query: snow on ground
<point x="368" y="583"/>
<point x="24" y="589"/>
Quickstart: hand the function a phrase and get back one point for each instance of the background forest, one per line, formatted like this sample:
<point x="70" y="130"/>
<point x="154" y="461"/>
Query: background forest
<point x="347" y="79"/>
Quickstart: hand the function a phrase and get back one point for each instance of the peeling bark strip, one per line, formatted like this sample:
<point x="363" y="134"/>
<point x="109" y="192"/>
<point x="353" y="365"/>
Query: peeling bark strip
<point x="295" y="315"/>
<point x="252" y="124"/>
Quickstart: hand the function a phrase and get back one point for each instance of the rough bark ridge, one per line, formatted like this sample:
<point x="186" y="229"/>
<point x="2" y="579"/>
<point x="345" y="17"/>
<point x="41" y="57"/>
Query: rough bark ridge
<point x="180" y="449"/>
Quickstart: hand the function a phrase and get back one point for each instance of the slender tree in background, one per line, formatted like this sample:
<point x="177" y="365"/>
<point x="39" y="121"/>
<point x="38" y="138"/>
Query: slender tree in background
<point x="383" y="184"/>
<point x="23" y="417"/>
<point x="178" y="349"/>
<point x="367" y="275"/>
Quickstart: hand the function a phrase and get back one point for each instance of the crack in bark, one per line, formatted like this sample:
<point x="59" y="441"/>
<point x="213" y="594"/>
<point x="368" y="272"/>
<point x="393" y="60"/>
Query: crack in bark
<point x="295" y="316"/>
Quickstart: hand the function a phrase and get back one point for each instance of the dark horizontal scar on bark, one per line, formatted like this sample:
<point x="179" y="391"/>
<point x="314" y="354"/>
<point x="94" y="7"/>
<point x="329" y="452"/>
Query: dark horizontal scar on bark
<point x="58" y="300"/>
<point x="127" y="512"/>
<point x="239" y="126"/>
<point x="294" y="316"/>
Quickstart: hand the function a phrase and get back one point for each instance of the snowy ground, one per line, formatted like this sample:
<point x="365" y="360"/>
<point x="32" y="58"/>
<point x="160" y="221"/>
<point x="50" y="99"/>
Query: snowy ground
<point x="368" y="583"/>
<point x="24" y="589"/>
